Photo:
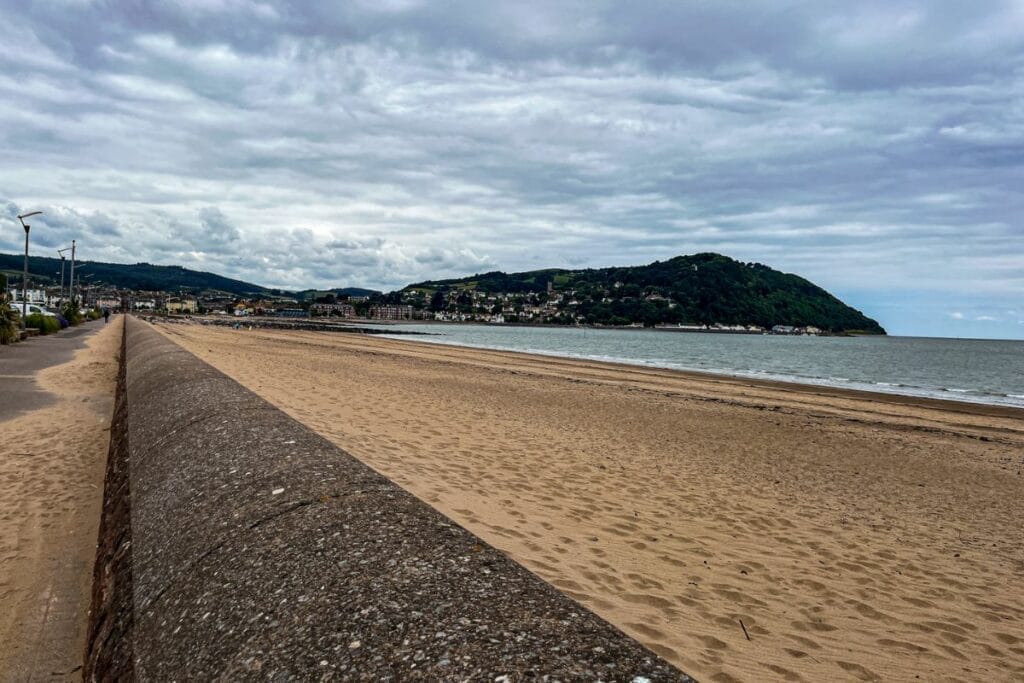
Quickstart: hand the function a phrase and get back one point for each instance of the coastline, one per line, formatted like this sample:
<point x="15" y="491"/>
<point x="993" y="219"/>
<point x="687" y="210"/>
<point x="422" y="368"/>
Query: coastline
<point x="881" y="391"/>
<point x="877" y="395"/>
<point x="854" y="534"/>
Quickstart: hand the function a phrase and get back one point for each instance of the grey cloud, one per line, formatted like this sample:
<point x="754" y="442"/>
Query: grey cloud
<point x="216" y="231"/>
<point x="57" y="226"/>
<point x="371" y="143"/>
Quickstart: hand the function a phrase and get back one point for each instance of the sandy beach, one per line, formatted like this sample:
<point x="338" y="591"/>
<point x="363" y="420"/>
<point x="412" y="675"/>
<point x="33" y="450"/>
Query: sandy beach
<point x="51" y="490"/>
<point x="744" y="531"/>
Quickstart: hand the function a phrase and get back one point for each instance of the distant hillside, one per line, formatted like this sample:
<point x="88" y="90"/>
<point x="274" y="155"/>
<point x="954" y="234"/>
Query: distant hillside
<point x="135" y="276"/>
<point x="703" y="288"/>
<point x="338" y="292"/>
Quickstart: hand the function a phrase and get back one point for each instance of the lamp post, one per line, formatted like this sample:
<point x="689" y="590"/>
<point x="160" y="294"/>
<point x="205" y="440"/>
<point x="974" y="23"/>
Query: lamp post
<point x="61" y="253"/>
<point x="71" y="287"/>
<point x="24" y="273"/>
<point x="82" y="288"/>
<point x="76" y="285"/>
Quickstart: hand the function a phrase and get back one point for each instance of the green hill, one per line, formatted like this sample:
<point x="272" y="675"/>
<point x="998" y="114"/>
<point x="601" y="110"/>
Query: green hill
<point x="337" y="291"/>
<point x="703" y="288"/>
<point x="139" y="276"/>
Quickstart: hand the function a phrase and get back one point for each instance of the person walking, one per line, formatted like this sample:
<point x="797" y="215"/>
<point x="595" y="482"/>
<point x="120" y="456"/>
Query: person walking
<point x="106" y="315"/>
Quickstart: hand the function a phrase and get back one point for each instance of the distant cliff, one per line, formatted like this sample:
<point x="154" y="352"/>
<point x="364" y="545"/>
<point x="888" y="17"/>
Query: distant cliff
<point x="703" y="288"/>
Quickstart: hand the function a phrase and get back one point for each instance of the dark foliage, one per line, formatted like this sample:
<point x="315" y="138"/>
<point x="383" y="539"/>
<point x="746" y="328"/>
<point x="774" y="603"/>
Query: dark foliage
<point x="338" y="293"/>
<point x="9" y="320"/>
<point x="703" y="288"/>
<point x="138" y="276"/>
<point x="44" y="323"/>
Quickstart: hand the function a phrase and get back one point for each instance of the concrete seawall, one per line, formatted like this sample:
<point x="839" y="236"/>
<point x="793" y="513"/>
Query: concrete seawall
<point x="236" y="543"/>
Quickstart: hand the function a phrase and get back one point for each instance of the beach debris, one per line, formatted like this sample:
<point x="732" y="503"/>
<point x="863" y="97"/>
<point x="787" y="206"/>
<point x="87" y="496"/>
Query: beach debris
<point x="277" y="492"/>
<point x="355" y="645"/>
<point x="640" y="679"/>
<point x="66" y="673"/>
<point x="744" y="629"/>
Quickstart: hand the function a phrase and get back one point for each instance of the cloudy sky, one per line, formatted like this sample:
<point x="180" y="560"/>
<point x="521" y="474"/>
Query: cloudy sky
<point x="876" y="148"/>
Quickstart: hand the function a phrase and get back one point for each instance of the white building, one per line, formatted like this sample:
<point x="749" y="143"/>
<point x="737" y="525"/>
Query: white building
<point x="35" y="296"/>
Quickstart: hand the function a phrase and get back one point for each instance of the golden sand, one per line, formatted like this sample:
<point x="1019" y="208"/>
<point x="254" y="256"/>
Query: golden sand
<point x="51" y="491"/>
<point x="855" y="536"/>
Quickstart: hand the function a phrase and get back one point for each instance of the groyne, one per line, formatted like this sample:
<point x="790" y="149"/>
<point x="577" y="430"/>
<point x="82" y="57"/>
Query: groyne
<point x="236" y="543"/>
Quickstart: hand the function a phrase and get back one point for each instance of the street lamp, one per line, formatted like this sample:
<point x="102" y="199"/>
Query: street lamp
<point x="24" y="274"/>
<point x="83" y="288"/>
<point x="61" y="253"/>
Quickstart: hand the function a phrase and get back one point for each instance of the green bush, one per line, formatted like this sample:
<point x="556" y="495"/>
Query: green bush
<point x="71" y="314"/>
<point x="8" y="329"/>
<point x="94" y="314"/>
<point x="44" y="323"/>
<point x="9" y="319"/>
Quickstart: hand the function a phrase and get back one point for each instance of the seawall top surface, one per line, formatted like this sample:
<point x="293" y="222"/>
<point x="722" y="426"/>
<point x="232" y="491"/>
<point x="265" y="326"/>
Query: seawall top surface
<point x="261" y="550"/>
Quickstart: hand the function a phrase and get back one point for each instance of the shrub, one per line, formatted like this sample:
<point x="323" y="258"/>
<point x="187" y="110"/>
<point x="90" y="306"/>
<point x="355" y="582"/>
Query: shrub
<point x="71" y="313"/>
<point x="9" y="320"/>
<point x="94" y="314"/>
<point x="44" y="323"/>
<point x="8" y="324"/>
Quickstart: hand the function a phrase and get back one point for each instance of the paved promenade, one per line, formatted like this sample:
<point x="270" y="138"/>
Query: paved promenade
<point x="21" y="363"/>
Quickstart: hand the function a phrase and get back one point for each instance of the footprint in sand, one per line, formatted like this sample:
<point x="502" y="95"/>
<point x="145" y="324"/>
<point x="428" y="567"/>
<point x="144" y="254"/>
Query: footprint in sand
<point x="859" y="672"/>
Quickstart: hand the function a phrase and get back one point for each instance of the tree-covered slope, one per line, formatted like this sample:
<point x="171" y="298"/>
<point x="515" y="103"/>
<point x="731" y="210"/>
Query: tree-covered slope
<point x="703" y="288"/>
<point x="340" y="292"/>
<point x="138" y="276"/>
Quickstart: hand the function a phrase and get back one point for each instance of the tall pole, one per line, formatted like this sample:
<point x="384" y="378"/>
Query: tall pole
<point x="24" y="280"/>
<point x="24" y="272"/>
<point x="71" y="288"/>
<point x="61" y="253"/>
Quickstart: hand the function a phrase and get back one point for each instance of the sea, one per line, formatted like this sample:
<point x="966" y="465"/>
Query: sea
<point x="972" y="370"/>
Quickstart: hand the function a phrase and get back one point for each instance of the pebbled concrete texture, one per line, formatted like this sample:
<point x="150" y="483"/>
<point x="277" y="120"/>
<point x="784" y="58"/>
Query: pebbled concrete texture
<point x="260" y="550"/>
<point x="108" y="652"/>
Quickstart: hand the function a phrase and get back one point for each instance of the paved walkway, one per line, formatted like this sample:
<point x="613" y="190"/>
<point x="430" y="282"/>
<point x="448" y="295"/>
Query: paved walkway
<point x="20" y="363"/>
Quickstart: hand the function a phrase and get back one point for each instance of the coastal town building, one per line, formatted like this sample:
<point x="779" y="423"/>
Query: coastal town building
<point x="109" y="302"/>
<point x="391" y="312"/>
<point x="181" y="305"/>
<point x="342" y="309"/>
<point x="32" y="296"/>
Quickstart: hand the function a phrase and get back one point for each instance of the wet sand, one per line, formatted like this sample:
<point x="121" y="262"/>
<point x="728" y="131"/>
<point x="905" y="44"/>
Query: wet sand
<point x="51" y="489"/>
<point x="855" y="536"/>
